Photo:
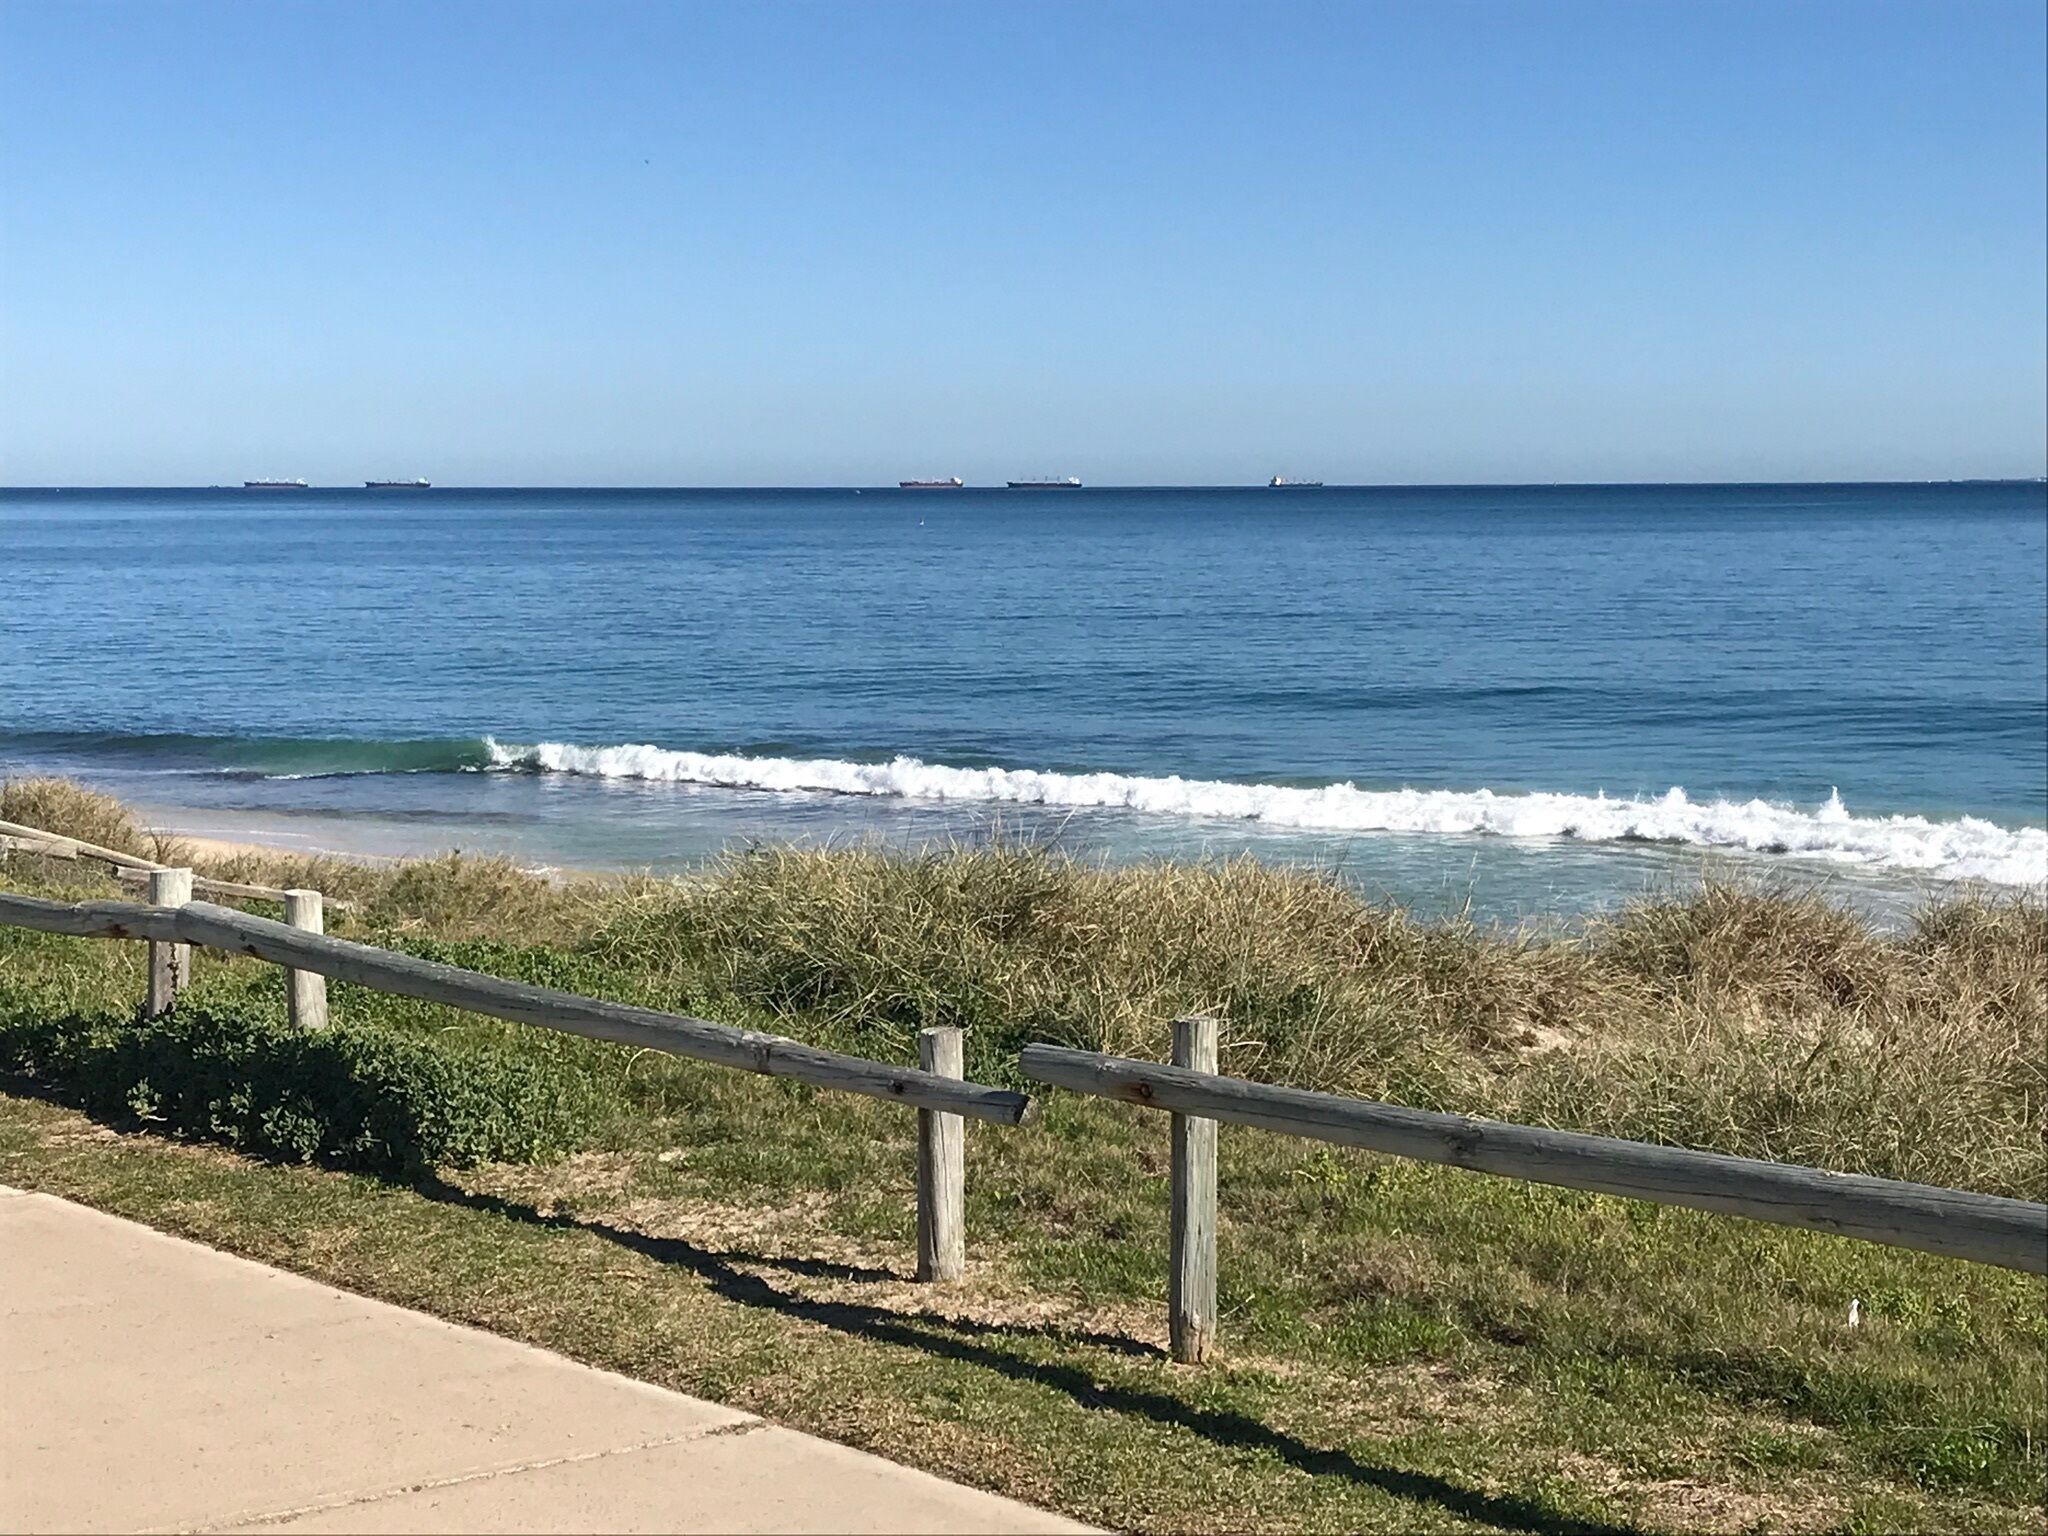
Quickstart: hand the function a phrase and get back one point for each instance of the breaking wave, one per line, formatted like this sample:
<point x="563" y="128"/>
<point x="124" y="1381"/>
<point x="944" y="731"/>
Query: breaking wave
<point x="1964" y="849"/>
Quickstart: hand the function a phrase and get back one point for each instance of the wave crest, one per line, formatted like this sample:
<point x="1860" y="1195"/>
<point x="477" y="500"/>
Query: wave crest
<point x="1968" y="848"/>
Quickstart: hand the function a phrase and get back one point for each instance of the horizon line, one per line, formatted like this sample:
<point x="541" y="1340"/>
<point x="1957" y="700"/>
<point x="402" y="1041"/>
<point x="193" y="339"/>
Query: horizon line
<point x="1221" y="485"/>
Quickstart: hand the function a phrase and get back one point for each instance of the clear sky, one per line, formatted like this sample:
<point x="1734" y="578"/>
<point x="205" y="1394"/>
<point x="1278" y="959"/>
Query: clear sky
<point x="667" y="243"/>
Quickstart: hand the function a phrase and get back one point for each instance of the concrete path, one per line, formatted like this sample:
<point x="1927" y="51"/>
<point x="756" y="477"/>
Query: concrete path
<point x="148" y="1383"/>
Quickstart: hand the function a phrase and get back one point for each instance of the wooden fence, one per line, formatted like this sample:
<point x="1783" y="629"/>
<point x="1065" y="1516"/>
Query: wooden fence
<point x="172" y="924"/>
<point x="128" y="867"/>
<point x="1987" y="1229"/>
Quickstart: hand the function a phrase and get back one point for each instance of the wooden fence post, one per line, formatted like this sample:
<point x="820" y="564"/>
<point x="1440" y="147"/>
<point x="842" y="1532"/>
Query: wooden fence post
<point x="1191" y="1282"/>
<point x="305" y="991"/>
<point x="170" y="965"/>
<point x="941" y="1166"/>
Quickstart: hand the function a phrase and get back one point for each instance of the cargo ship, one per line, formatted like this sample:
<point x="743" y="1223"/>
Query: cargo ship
<point x="1282" y="483"/>
<point x="396" y="485"/>
<point x="1066" y="483"/>
<point x="952" y="483"/>
<point x="273" y="485"/>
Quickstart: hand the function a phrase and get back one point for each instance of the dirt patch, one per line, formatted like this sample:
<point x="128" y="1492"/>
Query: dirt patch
<point x="791" y="1248"/>
<point x="1391" y="1401"/>
<point x="70" y="1133"/>
<point x="1541" y="1039"/>
<point x="1690" y="1504"/>
<point x="580" y="1177"/>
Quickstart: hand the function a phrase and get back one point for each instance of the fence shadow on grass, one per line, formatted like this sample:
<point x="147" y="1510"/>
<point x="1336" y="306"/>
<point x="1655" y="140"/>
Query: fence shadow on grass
<point x="973" y="1342"/>
<point x="977" y="1343"/>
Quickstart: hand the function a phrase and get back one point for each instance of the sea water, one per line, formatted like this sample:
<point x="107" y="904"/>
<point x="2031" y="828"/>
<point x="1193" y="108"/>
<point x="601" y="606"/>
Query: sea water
<point x="1521" y="700"/>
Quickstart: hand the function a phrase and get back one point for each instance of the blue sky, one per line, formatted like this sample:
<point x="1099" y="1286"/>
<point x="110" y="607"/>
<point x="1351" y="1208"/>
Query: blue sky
<point x="664" y="243"/>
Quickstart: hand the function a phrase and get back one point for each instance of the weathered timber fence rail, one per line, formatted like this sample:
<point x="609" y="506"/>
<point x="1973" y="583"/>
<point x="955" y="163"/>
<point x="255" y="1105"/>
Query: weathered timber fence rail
<point x="1988" y="1229"/>
<point x="938" y="1091"/>
<point x="223" y="928"/>
<point x="128" y="867"/>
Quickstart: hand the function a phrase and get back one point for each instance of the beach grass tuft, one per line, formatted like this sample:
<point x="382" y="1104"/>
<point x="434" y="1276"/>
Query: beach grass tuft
<point x="69" y="809"/>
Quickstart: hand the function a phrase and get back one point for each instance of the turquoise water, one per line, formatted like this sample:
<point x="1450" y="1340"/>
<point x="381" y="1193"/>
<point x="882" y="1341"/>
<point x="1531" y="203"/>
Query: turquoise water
<point x="1535" y="699"/>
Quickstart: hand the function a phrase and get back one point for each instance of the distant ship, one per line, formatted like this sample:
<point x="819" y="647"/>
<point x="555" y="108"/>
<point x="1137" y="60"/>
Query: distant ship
<point x="1068" y="483"/>
<point x="273" y="485"/>
<point x="396" y="485"/>
<point x="952" y="484"/>
<point x="1282" y="483"/>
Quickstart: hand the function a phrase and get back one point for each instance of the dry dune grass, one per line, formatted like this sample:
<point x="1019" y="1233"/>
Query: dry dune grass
<point x="1016" y="942"/>
<point x="71" y="810"/>
<point x="1754" y="1020"/>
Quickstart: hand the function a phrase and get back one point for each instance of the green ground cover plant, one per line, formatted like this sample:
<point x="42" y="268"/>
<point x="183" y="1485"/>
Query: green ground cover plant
<point x="352" y="1096"/>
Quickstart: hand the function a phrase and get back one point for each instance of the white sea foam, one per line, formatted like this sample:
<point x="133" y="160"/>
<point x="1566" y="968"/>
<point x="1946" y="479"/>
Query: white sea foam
<point x="1967" y="848"/>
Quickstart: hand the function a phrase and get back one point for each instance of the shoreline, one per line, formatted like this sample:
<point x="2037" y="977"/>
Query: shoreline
<point x="648" y="807"/>
<point x="222" y="849"/>
<point x="571" y="833"/>
<point x="1495" y="877"/>
<point x="216" y="850"/>
<point x="213" y="834"/>
<point x="216" y="846"/>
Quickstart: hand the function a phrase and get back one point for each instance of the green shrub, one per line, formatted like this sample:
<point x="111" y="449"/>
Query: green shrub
<point x="350" y="1096"/>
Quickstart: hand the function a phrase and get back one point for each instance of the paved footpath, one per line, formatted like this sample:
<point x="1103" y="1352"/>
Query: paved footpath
<point x="147" y="1383"/>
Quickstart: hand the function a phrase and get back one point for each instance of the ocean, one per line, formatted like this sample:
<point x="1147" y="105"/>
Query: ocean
<point x="1521" y="702"/>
